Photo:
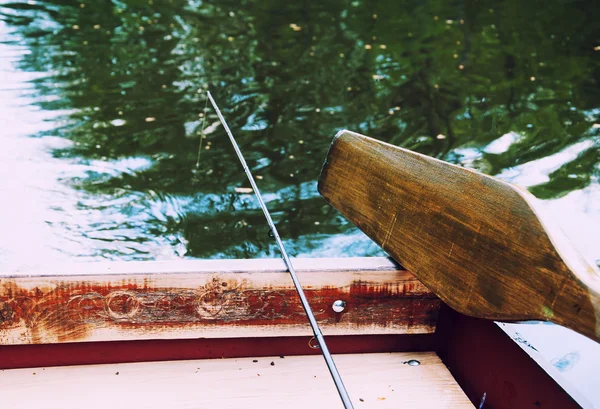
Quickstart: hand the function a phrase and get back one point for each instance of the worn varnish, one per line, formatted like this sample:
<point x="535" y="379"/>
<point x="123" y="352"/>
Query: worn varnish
<point x="373" y="381"/>
<point x="475" y="241"/>
<point x="213" y="299"/>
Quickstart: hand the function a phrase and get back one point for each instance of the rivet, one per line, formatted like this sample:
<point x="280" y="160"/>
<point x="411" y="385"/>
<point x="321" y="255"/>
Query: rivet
<point x="338" y="305"/>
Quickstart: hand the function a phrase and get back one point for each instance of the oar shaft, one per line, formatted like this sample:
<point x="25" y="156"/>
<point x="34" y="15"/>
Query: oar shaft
<point x="288" y="263"/>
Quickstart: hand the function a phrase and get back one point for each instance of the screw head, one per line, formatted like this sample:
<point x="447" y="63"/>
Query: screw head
<point x="413" y="362"/>
<point x="338" y="306"/>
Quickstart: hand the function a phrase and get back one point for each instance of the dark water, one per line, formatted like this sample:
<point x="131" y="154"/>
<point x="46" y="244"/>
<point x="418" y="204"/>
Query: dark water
<point x="104" y="103"/>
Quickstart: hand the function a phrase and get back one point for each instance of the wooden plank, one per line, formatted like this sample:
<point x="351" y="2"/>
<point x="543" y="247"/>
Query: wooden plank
<point x="475" y="241"/>
<point x="373" y="381"/>
<point x="209" y="299"/>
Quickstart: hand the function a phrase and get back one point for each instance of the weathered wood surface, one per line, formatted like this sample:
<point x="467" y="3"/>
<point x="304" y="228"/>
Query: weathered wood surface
<point x="475" y="241"/>
<point x="373" y="381"/>
<point x="209" y="299"/>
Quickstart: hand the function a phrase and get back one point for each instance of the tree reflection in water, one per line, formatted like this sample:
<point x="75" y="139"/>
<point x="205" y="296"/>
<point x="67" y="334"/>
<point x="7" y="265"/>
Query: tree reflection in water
<point x="487" y="85"/>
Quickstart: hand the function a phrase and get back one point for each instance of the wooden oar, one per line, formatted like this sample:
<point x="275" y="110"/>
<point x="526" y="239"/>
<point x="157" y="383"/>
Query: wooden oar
<point x="475" y="241"/>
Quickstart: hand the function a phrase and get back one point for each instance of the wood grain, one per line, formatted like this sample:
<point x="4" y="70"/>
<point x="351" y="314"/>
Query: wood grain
<point x="475" y="241"/>
<point x="373" y="381"/>
<point x="209" y="299"/>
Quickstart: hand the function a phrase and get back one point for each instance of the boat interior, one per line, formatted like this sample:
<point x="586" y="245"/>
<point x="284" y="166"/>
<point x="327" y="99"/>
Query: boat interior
<point x="232" y="333"/>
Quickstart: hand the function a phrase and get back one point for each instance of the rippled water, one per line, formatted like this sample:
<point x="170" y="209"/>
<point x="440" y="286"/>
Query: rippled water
<point x="102" y="104"/>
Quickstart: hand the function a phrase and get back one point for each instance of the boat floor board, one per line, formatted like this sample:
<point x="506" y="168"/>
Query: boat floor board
<point x="380" y="380"/>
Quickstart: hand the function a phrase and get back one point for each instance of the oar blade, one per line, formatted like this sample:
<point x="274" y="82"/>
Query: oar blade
<point x="473" y="240"/>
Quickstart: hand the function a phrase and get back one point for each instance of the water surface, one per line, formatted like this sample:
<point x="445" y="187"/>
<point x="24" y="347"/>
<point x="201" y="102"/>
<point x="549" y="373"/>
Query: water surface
<point x="118" y="93"/>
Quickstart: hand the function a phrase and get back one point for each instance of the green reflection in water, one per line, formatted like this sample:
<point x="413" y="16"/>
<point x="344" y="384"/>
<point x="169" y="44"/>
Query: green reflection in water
<point x="443" y="78"/>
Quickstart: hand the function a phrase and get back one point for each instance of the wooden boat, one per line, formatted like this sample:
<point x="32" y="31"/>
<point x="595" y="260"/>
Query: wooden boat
<point x="232" y="333"/>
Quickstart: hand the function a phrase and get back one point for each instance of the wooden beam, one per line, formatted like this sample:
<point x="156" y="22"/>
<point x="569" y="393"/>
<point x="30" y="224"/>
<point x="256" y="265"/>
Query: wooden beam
<point x="209" y="299"/>
<point x="110" y="352"/>
<point x="475" y="241"/>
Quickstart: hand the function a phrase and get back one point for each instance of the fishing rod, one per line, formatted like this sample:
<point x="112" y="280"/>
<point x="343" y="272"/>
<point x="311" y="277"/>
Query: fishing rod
<point x="335" y="375"/>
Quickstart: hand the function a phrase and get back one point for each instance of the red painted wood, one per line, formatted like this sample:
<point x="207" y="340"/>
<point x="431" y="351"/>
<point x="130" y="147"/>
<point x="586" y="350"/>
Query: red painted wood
<point x="90" y="308"/>
<point x="27" y="356"/>
<point x="483" y="359"/>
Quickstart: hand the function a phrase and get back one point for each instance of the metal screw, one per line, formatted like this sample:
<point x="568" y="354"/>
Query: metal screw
<point x="413" y="362"/>
<point x="338" y="305"/>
